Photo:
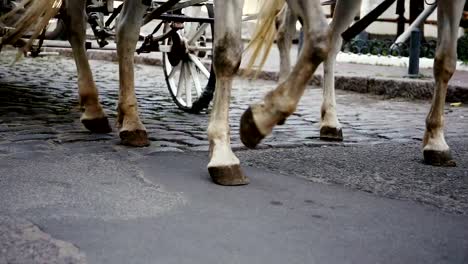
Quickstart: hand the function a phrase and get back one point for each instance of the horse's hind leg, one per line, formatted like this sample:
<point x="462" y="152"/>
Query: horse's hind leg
<point x="132" y="130"/>
<point x="93" y="117"/>
<point x="330" y="127"/>
<point x="224" y="166"/>
<point x="436" y="151"/>
<point x="286" y="24"/>
<point x="259" y="120"/>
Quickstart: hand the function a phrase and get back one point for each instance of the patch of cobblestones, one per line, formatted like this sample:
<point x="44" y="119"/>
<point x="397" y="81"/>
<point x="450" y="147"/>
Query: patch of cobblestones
<point x="39" y="109"/>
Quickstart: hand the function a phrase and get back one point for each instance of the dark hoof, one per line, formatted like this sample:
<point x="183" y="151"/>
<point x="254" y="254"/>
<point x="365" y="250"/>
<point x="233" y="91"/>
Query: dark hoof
<point x="331" y="134"/>
<point x="282" y="122"/>
<point x="439" y="158"/>
<point x="137" y="138"/>
<point x="249" y="133"/>
<point x="228" y="175"/>
<point x="98" y="125"/>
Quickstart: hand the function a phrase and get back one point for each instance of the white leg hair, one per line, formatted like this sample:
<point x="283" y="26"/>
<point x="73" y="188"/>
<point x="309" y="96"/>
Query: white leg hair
<point x="132" y="131"/>
<point x="259" y="120"/>
<point x="436" y="151"/>
<point x="224" y="166"/>
<point x="345" y="11"/>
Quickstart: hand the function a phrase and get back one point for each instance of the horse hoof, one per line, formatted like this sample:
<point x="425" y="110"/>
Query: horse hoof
<point x="231" y="175"/>
<point x="97" y="125"/>
<point x="331" y="134"/>
<point x="439" y="158"/>
<point x="249" y="133"/>
<point x="136" y="138"/>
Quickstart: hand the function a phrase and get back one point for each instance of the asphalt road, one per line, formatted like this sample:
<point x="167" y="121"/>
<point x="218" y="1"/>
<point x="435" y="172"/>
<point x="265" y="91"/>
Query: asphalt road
<point x="117" y="206"/>
<point x="70" y="197"/>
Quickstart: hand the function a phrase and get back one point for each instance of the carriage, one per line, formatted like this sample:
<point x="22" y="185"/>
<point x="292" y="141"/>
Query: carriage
<point x="183" y="33"/>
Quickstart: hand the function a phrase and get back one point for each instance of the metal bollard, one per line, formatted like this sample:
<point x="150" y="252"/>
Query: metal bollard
<point x="415" y="48"/>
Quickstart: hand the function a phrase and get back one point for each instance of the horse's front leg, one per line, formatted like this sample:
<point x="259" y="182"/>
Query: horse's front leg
<point x="224" y="166"/>
<point x="93" y="117"/>
<point x="330" y="127"/>
<point x="436" y="151"/>
<point x="132" y="130"/>
<point x="259" y="119"/>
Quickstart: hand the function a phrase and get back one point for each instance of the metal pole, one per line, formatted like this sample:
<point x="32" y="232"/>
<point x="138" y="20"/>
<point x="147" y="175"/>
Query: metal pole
<point x="419" y="20"/>
<point x="415" y="48"/>
<point x="365" y="21"/>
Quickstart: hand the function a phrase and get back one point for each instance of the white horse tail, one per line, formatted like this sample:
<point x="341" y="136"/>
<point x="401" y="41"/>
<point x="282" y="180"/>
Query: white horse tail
<point x="264" y="34"/>
<point x="34" y="20"/>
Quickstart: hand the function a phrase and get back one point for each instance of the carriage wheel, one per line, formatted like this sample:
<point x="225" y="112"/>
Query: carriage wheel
<point x="189" y="79"/>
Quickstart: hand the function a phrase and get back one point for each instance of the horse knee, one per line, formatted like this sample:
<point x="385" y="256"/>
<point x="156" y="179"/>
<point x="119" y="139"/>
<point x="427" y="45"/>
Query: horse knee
<point x="128" y="25"/>
<point x="228" y="53"/>
<point x="125" y="32"/>
<point x="318" y="45"/>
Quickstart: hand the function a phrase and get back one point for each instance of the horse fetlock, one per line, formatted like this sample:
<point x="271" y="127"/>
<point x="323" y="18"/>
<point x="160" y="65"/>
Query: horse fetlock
<point x="92" y="109"/>
<point x="132" y="123"/>
<point x="221" y="154"/>
<point x="265" y="117"/>
<point x="328" y="117"/>
<point x="224" y="166"/>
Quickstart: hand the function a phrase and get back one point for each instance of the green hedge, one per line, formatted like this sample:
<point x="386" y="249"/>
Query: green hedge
<point x="462" y="49"/>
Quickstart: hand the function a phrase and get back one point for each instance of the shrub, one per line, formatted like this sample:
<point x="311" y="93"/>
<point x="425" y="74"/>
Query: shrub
<point x="462" y="49"/>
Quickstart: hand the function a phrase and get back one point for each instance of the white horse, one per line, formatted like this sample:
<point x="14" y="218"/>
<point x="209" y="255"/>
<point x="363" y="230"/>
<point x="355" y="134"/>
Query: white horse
<point x="259" y="119"/>
<point x="345" y="11"/>
<point x="322" y="43"/>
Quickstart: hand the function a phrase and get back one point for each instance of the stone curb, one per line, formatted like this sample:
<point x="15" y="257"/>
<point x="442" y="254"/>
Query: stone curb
<point x="420" y="89"/>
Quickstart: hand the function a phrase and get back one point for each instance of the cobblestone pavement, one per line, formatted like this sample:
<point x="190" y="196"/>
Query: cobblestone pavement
<point x="39" y="110"/>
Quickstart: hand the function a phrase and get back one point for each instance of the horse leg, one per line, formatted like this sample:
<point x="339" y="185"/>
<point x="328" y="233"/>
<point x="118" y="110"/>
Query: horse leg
<point x="286" y="24"/>
<point x="93" y="117"/>
<point x="330" y="127"/>
<point x="224" y="166"/>
<point x="132" y="130"/>
<point x="435" y="149"/>
<point x="259" y="119"/>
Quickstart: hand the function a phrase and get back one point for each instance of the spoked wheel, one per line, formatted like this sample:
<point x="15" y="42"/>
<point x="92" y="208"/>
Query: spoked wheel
<point x="190" y="81"/>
